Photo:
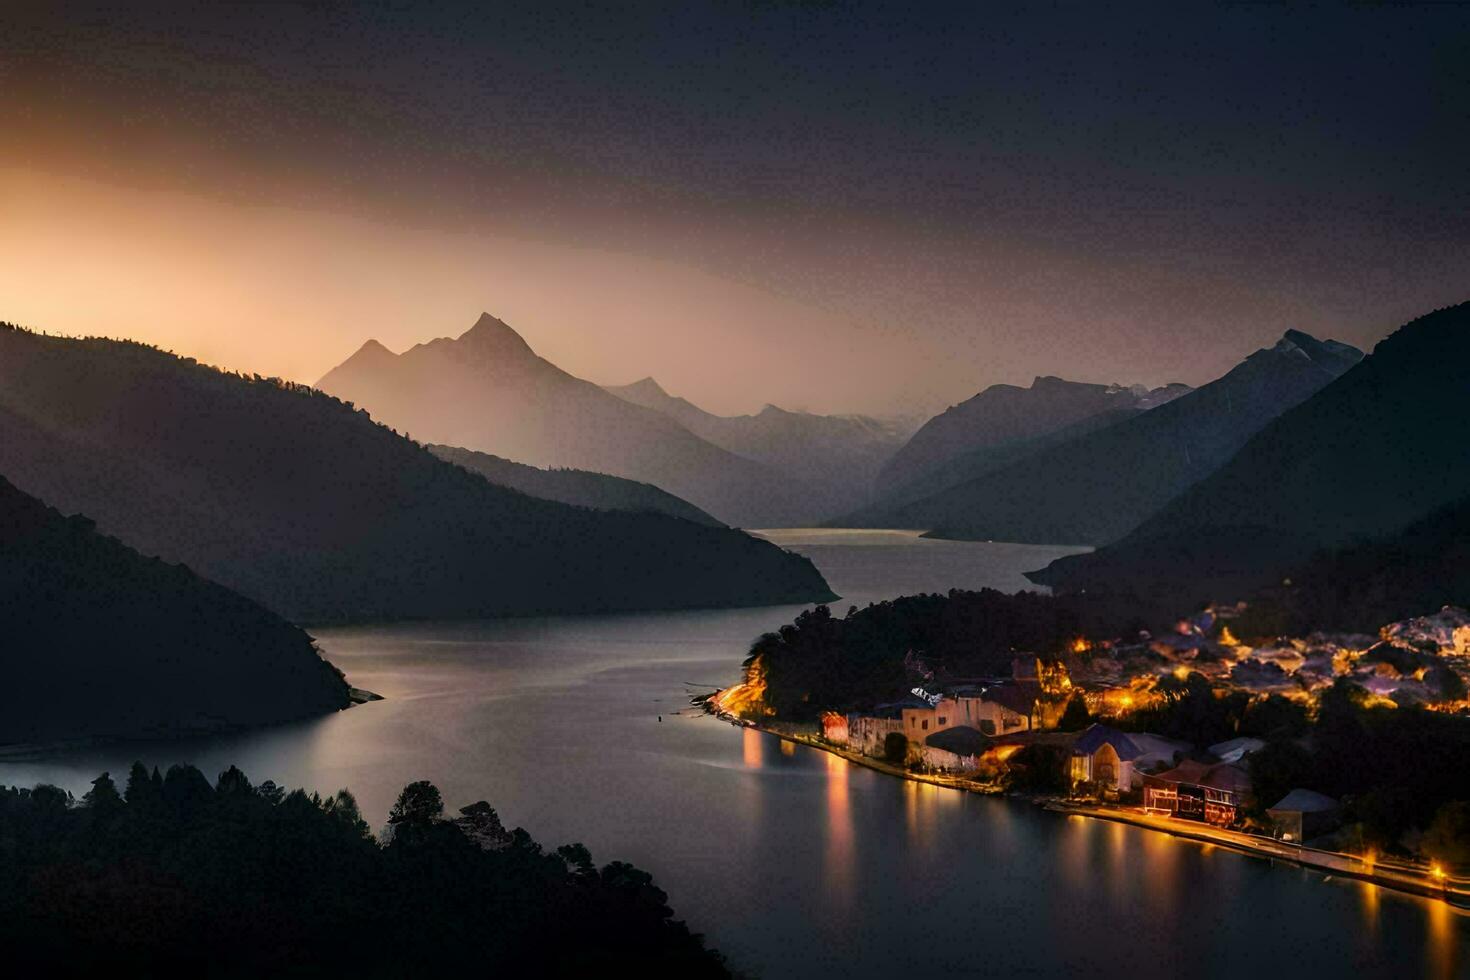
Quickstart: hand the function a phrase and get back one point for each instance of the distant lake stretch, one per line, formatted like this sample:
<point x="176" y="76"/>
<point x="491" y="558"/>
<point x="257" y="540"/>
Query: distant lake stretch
<point x="793" y="862"/>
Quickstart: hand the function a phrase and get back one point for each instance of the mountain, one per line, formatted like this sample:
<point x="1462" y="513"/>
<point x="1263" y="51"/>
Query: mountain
<point x="488" y="391"/>
<point x="890" y="509"/>
<point x="100" y="641"/>
<point x="835" y="456"/>
<point x="577" y="487"/>
<point x="1381" y="447"/>
<point x="1098" y="485"/>
<point x="1005" y="415"/>
<point x="1412" y="572"/>
<point x="305" y="504"/>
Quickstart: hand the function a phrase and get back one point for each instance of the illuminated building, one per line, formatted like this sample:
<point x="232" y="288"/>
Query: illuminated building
<point x="1199" y="791"/>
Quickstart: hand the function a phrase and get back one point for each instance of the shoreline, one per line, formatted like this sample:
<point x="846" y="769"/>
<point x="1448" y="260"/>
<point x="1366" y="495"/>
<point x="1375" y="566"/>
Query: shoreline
<point x="1393" y="875"/>
<point x="17" y="752"/>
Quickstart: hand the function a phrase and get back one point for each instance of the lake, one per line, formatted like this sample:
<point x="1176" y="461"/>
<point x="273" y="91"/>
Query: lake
<point x="794" y="862"/>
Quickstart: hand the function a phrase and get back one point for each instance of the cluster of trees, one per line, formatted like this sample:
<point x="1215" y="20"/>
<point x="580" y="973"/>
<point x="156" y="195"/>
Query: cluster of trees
<point x="1403" y="774"/>
<point x="172" y="873"/>
<point x="824" y="662"/>
<point x="1193" y="711"/>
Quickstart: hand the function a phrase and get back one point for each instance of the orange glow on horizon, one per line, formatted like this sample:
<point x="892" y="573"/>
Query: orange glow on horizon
<point x="288" y="292"/>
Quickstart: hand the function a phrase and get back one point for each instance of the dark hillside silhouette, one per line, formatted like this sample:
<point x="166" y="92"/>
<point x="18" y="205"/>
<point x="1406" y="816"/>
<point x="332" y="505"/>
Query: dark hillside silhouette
<point x="487" y="390"/>
<point x="891" y="510"/>
<point x="173" y="876"/>
<point x="1383" y="446"/>
<point x="581" y="488"/>
<point x="98" y="641"/>
<point x="1412" y="572"/>
<point x="303" y="502"/>
<point x="1098" y="485"/>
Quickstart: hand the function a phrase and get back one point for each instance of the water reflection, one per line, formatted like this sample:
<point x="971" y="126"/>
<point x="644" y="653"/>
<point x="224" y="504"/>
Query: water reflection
<point x="751" y="747"/>
<point x="1368" y="901"/>
<point x="1444" y="953"/>
<point x="1161" y="856"/>
<point x="840" y="870"/>
<point x="795" y="863"/>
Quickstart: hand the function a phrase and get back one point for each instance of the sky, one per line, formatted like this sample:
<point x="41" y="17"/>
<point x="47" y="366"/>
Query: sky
<point x="833" y="207"/>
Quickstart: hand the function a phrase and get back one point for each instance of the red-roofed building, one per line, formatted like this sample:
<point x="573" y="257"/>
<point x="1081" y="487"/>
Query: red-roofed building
<point x="1198" y="791"/>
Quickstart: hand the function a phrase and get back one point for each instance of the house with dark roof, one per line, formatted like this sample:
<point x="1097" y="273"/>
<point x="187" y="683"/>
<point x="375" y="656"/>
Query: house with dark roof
<point x="1104" y="757"/>
<point x="956" y="749"/>
<point x="1303" y="814"/>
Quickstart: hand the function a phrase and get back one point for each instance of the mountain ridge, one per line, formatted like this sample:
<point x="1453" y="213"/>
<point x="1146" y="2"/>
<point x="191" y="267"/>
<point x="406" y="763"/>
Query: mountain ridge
<point x="1003" y="414"/>
<point x="1366" y="456"/>
<point x="580" y="488"/>
<point x="1098" y="485"/>
<point x="488" y="391"/>
<point x="349" y="521"/>
<point x="834" y="457"/>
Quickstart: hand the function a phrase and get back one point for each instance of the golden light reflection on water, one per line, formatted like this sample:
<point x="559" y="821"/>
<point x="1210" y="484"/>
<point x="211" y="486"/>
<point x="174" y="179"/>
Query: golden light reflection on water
<point x="750" y="748"/>
<point x="1074" y="845"/>
<point x="1442" y="956"/>
<point x="1369" y="898"/>
<point x="1161" y="856"/>
<point x="922" y="805"/>
<point x="840" y="869"/>
<point x="788" y="748"/>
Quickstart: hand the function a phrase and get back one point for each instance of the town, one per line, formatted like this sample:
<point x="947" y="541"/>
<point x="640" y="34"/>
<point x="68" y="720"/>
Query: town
<point x="1071" y="730"/>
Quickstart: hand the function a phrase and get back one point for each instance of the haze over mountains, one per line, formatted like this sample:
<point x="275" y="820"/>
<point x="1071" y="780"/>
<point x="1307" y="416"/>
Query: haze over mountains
<point x="577" y="487"/>
<point x="1093" y="486"/>
<point x="1006" y="416"/>
<point x="1385" y="445"/>
<point x="488" y="391"/>
<point x="100" y="641"/>
<point x="835" y="458"/>
<point x="301" y="502"/>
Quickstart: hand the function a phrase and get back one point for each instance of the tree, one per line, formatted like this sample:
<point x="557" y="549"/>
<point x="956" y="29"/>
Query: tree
<point x="1448" y="836"/>
<point x="1277" y="769"/>
<point x="418" y="807"/>
<point x="896" y="747"/>
<point x="578" y="859"/>
<point x="185" y="788"/>
<point x="481" y="824"/>
<point x="344" y="807"/>
<point x="103" y="798"/>
<point x="1076" y="717"/>
<point x="232" y="782"/>
<point x="143" y="790"/>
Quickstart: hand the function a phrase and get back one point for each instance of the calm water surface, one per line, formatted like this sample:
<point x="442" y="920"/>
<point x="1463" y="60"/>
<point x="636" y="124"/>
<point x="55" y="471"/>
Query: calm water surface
<point x="792" y="861"/>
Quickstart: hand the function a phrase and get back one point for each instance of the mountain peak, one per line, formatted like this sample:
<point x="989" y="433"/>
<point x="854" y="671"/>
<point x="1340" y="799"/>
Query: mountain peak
<point x="1328" y="353"/>
<point x="368" y="357"/>
<point x="494" y="335"/>
<point x="646" y="386"/>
